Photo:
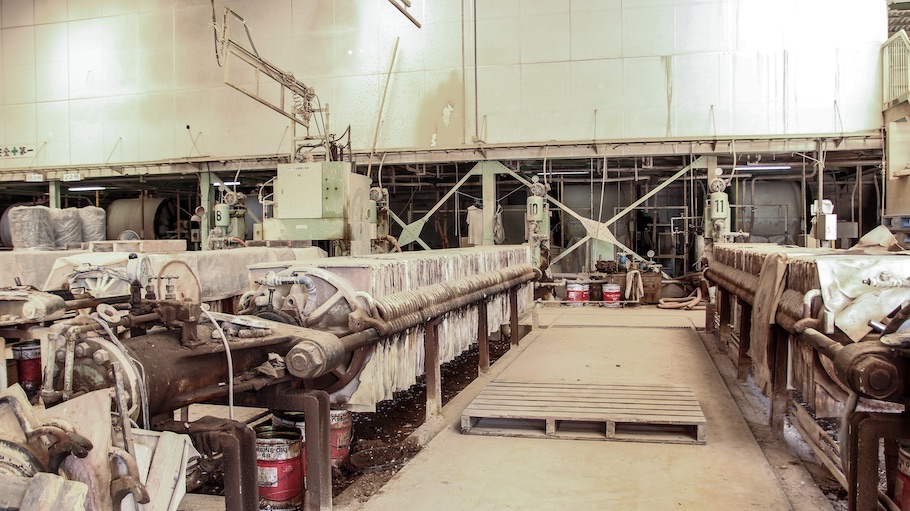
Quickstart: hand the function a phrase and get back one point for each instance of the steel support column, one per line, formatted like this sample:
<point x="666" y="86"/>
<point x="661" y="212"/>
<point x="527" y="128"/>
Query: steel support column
<point x="206" y="198"/>
<point x="779" y="349"/>
<point x="488" y="180"/>
<point x="513" y="315"/>
<point x="723" y="310"/>
<point x="744" y="362"/>
<point x="53" y="190"/>
<point x="862" y="462"/>
<point x="431" y="368"/>
<point x="710" y="316"/>
<point x="483" y="339"/>
<point x="318" y="495"/>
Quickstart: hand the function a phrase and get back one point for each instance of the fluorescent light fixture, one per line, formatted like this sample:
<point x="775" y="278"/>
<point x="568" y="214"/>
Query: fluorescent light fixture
<point x="87" y="188"/>
<point x="763" y="167"/>
<point x="227" y="183"/>
<point x="566" y="173"/>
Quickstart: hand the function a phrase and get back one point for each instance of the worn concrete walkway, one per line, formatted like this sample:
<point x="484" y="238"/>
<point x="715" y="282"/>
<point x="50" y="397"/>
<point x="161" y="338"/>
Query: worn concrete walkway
<point x="466" y="472"/>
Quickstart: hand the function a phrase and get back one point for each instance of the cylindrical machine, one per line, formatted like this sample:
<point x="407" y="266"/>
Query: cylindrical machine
<point x="373" y="218"/>
<point x="278" y="463"/>
<point x="535" y="209"/>
<point x="717" y="215"/>
<point x="151" y="217"/>
<point x="720" y="206"/>
<point x="222" y="216"/>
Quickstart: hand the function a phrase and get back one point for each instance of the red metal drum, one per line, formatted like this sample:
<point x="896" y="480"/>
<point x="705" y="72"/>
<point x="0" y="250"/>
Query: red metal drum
<point x="278" y="454"/>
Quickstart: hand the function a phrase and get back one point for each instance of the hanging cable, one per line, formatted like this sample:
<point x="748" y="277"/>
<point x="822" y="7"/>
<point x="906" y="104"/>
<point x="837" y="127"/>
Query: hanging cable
<point x="140" y="375"/>
<point x="230" y="361"/>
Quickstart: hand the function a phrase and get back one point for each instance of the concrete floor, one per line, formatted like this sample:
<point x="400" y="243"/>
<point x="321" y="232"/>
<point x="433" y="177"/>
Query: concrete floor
<point x="461" y="472"/>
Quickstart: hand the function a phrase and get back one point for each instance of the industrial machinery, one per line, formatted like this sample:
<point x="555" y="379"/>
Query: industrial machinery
<point x="717" y="210"/>
<point x="149" y="217"/>
<point x="230" y="220"/>
<point x="320" y="201"/>
<point x="834" y="325"/>
<point x="538" y="219"/>
<point x="337" y="327"/>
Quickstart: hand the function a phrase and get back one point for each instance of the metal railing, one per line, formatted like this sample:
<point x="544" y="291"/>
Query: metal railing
<point x="895" y="69"/>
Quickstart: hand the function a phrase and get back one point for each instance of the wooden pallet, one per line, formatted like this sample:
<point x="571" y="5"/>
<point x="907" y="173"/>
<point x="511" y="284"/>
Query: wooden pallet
<point x="585" y="411"/>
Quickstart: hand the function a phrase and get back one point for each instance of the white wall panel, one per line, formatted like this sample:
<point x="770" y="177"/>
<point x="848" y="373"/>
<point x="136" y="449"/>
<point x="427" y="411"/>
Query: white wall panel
<point x="596" y="31"/>
<point x="492" y="9"/>
<point x="645" y="113"/>
<point x="51" y="43"/>
<point x="16" y="13"/>
<point x="50" y="11"/>
<point x="760" y="25"/>
<point x="85" y="9"/>
<point x="119" y="7"/>
<point x="426" y="107"/>
<point x="155" y="118"/>
<point x="596" y="85"/>
<point x="857" y="66"/>
<point x="120" y="72"/>
<point x="359" y="108"/>
<point x="121" y="129"/>
<point x="20" y="124"/>
<point x="765" y="66"/>
<point x="648" y="31"/>
<point x="19" y="65"/>
<point x="545" y="111"/>
<point x="314" y="56"/>
<point x="498" y="41"/>
<point x="545" y="31"/>
<point x="813" y="77"/>
<point x="442" y="48"/>
<point x="702" y="27"/>
<point x="499" y="99"/>
<point x="85" y="39"/>
<point x="52" y="81"/>
<point x="700" y="93"/>
<point x="357" y="53"/>
<point x="87" y="130"/>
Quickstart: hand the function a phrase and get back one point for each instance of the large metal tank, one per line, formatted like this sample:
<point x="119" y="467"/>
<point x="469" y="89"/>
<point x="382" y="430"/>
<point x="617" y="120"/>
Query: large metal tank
<point x="151" y="218"/>
<point x="778" y="206"/>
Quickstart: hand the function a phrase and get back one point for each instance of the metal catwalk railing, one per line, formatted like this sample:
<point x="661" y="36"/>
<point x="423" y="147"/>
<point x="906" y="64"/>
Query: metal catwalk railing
<point x="895" y="69"/>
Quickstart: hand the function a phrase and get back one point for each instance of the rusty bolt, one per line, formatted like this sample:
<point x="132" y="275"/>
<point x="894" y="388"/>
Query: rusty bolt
<point x="304" y="358"/>
<point x="101" y="357"/>
<point x="82" y="349"/>
<point x="875" y="376"/>
<point x="879" y="379"/>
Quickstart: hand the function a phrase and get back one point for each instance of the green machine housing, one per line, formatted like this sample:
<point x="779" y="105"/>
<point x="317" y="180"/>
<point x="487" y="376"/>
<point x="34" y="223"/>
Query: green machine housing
<point x="321" y="201"/>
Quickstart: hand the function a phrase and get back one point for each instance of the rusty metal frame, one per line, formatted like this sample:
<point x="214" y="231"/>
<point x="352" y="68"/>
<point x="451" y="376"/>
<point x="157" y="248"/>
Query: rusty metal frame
<point x="595" y="230"/>
<point x="864" y="432"/>
<point x="284" y="80"/>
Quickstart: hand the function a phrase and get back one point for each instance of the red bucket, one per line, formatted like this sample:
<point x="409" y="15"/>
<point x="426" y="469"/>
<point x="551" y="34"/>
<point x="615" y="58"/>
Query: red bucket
<point x="612" y="295"/>
<point x="340" y="424"/>
<point x="278" y="455"/>
<point x="902" y="482"/>
<point x="577" y="293"/>
<point x="294" y="420"/>
<point x="28" y="364"/>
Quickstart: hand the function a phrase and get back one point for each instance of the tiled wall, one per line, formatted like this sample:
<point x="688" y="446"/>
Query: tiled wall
<point x="94" y="81"/>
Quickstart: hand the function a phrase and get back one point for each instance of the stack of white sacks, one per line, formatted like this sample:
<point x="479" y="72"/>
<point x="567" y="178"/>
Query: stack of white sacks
<point x="41" y="227"/>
